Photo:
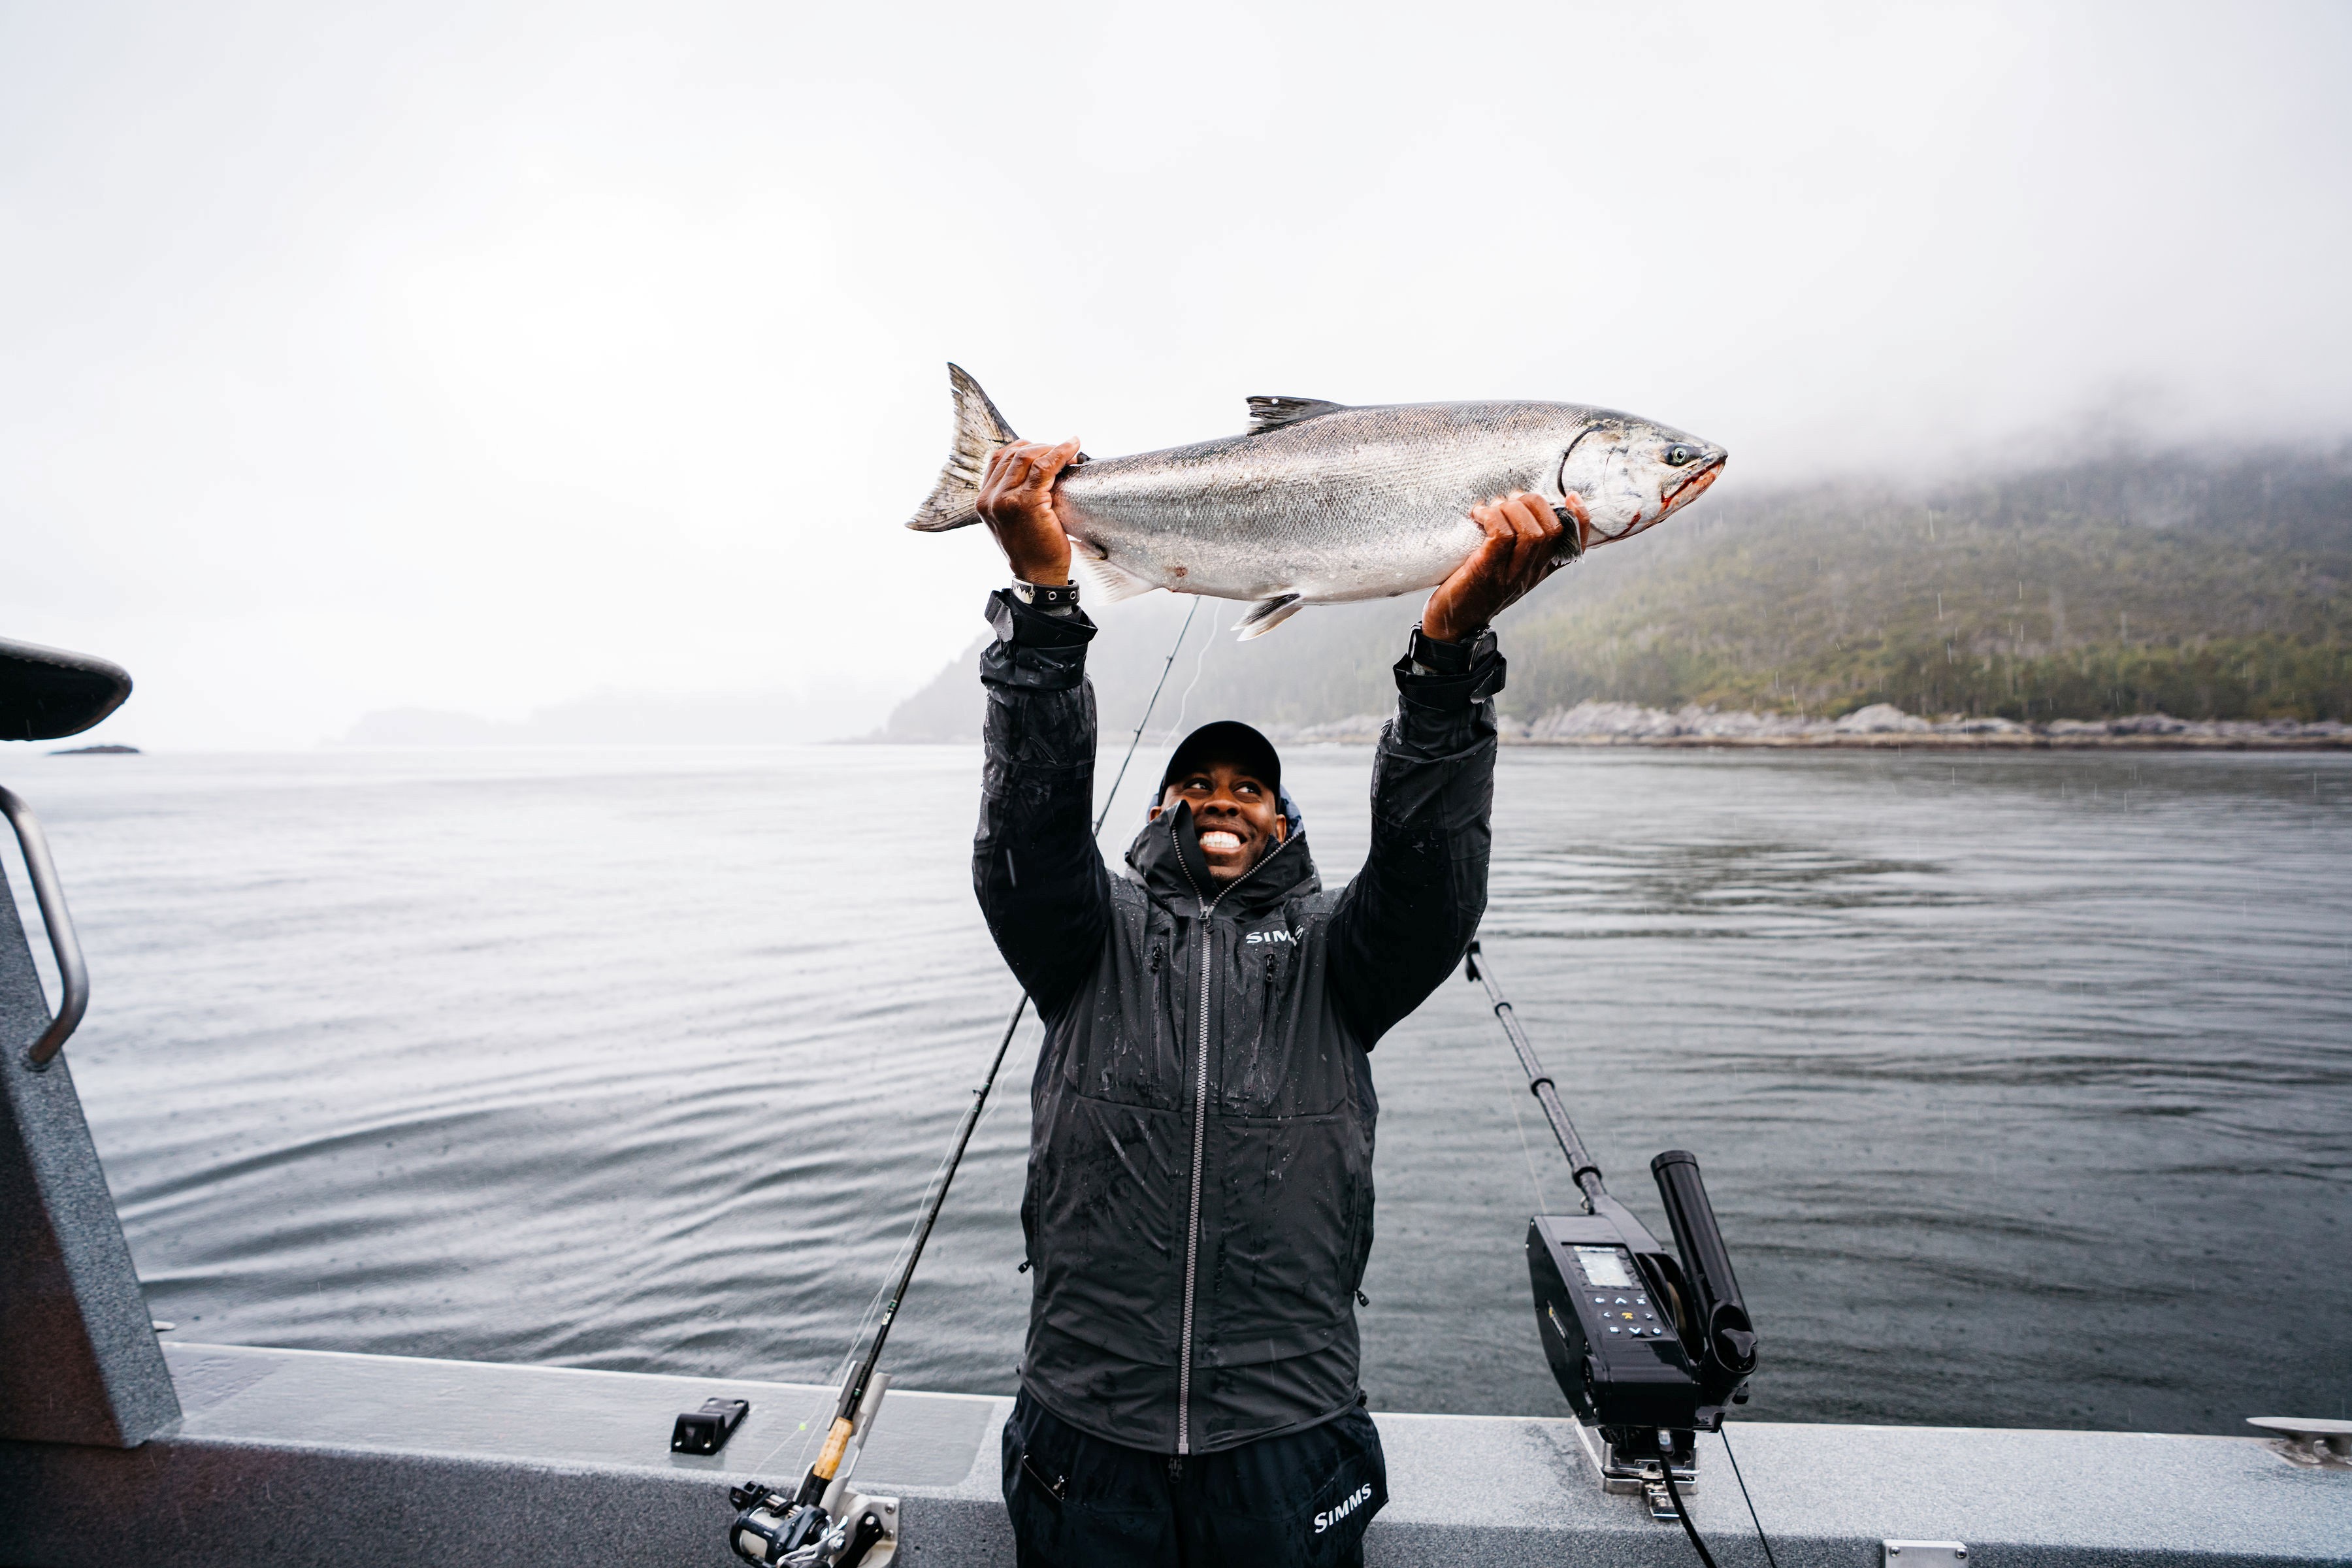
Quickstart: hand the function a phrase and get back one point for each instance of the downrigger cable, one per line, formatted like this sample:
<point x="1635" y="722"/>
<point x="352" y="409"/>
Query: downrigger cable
<point x="810" y="1527"/>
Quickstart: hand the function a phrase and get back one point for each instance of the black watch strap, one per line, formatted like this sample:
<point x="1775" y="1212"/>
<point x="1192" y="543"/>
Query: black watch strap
<point x="1450" y="657"/>
<point x="1053" y="598"/>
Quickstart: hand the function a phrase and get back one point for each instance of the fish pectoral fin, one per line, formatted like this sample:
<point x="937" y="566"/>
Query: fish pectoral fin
<point x="1105" y="580"/>
<point x="1269" y="613"/>
<point x="1273" y="412"/>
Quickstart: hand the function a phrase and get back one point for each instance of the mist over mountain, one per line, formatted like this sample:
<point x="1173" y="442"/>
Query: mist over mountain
<point x="2202" y="587"/>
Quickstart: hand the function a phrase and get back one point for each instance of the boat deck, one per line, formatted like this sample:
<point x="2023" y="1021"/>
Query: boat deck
<point x="302" y="1458"/>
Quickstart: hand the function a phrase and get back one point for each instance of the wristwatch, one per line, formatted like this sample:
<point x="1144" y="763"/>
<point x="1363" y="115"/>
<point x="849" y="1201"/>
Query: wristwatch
<point x="1431" y="656"/>
<point x="1053" y="598"/>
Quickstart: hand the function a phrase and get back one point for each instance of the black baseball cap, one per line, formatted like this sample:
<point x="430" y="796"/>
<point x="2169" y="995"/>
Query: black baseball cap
<point x="1226" y="741"/>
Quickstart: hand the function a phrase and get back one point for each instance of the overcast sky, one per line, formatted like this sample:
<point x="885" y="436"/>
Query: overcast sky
<point x="489" y="356"/>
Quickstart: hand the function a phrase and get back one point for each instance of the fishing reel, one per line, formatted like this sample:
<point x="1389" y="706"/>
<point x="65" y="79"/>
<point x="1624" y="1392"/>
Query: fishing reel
<point x="825" y="1522"/>
<point x="774" y="1528"/>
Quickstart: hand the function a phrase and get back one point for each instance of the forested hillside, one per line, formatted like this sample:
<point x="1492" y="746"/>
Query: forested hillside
<point x="2203" y="589"/>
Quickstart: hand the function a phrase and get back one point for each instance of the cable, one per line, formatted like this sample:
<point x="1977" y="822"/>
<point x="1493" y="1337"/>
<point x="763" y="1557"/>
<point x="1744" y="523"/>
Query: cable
<point x="1682" y="1509"/>
<point x="1726" y="1436"/>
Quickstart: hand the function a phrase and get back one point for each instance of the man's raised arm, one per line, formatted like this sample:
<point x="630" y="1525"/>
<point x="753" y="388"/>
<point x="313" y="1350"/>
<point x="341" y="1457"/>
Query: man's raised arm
<point x="1040" y="878"/>
<point x="1406" y="920"/>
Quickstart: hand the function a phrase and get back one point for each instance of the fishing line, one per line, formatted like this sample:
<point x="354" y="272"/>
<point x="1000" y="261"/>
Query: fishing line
<point x="882" y="1292"/>
<point x="810" y="1431"/>
<point x="1200" y="664"/>
<point x="910" y="1249"/>
<point x="1543" y="1204"/>
<point x="1137" y="739"/>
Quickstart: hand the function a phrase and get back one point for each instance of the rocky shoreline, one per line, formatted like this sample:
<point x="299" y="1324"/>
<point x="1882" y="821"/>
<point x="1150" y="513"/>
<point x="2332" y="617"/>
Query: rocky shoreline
<point x="1879" y="726"/>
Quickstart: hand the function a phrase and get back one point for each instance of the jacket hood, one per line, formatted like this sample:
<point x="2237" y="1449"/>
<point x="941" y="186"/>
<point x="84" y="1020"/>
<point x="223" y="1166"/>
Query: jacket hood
<point x="1170" y="844"/>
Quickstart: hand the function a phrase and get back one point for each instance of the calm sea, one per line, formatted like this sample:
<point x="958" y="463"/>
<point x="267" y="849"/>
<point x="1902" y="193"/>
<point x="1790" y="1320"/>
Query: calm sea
<point x="2023" y="1084"/>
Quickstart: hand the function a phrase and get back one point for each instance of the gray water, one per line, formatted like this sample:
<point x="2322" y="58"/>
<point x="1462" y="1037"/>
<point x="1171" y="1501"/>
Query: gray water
<point x="2022" y="1083"/>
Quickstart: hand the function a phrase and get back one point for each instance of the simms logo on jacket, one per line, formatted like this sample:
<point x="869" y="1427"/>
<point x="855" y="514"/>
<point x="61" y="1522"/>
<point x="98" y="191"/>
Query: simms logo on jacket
<point x="1259" y="936"/>
<point x="1355" y="1499"/>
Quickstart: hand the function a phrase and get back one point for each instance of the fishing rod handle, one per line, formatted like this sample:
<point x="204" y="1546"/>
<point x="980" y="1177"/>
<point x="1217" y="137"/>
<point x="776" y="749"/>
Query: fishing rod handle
<point x="835" y="1442"/>
<point x="861" y="1427"/>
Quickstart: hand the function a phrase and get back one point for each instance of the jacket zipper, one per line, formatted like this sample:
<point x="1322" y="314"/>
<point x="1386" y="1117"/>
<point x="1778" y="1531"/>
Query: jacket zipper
<point x="1200" y="1138"/>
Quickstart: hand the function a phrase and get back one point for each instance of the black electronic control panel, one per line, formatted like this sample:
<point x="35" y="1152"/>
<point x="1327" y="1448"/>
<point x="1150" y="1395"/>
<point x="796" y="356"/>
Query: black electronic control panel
<point x="1610" y="1337"/>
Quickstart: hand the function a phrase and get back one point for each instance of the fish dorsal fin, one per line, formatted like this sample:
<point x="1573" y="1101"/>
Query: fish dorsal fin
<point x="1273" y="412"/>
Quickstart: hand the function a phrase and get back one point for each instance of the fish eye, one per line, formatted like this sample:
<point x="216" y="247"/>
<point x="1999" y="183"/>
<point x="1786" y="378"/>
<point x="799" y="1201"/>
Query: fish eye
<point x="1679" y="456"/>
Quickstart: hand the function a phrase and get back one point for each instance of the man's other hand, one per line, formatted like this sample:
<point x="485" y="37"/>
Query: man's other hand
<point x="1020" y="506"/>
<point x="1523" y="538"/>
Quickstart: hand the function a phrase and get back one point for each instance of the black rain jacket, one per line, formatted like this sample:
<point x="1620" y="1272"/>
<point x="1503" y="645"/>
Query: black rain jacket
<point x="1200" y="1197"/>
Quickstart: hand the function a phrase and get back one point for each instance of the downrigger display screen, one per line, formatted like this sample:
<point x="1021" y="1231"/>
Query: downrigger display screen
<point x="1605" y="1265"/>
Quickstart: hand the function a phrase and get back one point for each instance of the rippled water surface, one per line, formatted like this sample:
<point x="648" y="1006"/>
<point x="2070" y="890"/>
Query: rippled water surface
<point x="2023" y="1084"/>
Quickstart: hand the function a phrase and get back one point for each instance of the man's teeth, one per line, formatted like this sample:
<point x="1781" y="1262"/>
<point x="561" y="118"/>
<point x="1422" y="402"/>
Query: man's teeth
<point x="1218" y="838"/>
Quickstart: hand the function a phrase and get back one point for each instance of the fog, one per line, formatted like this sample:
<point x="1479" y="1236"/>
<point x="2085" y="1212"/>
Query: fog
<point x="495" y="358"/>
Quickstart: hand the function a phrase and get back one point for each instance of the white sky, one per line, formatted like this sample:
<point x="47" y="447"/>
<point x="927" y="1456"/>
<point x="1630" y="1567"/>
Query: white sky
<point x="483" y="357"/>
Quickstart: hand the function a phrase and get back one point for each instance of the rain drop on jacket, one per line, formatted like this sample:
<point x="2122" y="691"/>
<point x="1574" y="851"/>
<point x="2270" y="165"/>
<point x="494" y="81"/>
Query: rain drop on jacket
<point x="1199" y="1208"/>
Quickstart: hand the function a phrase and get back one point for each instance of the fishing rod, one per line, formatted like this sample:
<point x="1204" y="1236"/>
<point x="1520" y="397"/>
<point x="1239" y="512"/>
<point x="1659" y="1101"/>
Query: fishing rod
<point x="1648" y="1348"/>
<point x="810" y="1528"/>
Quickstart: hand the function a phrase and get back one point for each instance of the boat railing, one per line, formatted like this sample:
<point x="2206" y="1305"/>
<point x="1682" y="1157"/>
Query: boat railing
<point x="73" y="975"/>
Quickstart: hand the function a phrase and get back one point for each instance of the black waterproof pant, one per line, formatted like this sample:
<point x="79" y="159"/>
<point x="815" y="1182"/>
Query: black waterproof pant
<point x="1298" y="1500"/>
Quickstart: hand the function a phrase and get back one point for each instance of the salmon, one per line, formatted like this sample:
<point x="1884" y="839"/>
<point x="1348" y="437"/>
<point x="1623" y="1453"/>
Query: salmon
<point x="1320" y="502"/>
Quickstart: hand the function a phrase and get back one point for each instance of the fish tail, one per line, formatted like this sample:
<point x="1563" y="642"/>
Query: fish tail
<point x="979" y="430"/>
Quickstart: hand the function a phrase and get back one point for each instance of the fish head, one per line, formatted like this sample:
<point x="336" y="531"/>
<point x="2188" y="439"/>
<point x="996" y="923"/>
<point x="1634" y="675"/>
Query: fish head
<point x="1631" y="473"/>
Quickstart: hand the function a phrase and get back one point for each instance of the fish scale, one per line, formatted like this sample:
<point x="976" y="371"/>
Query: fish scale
<point x="1322" y="503"/>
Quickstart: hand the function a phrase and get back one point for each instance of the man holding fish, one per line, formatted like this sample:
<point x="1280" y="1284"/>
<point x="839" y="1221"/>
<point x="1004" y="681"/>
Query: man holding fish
<point x="1198" y="1205"/>
<point x="1200" y="1167"/>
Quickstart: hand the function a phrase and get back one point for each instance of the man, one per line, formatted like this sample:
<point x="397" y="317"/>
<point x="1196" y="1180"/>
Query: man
<point x="1200" y="1197"/>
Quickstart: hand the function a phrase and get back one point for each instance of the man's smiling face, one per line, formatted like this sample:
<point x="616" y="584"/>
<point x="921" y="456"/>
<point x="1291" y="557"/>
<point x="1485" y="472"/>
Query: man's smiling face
<point x="1237" y="816"/>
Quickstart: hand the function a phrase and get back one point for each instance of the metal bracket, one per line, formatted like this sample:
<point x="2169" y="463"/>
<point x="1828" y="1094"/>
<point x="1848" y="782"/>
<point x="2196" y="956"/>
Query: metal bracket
<point x="855" y="1507"/>
<point x="1640" y="1474"/>
<point x="706" y="1431"/>
<point x="73" y="975"/>
<point x="2314" y="1442"/>
<point x="1921" y="1554"/>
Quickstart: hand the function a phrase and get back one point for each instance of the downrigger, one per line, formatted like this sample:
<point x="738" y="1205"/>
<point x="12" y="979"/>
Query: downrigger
<point x="1649" y="1350"/>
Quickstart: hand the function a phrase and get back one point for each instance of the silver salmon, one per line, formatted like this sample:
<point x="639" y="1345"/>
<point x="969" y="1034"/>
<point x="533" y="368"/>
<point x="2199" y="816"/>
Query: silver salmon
<point x="1320" y="502"/>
